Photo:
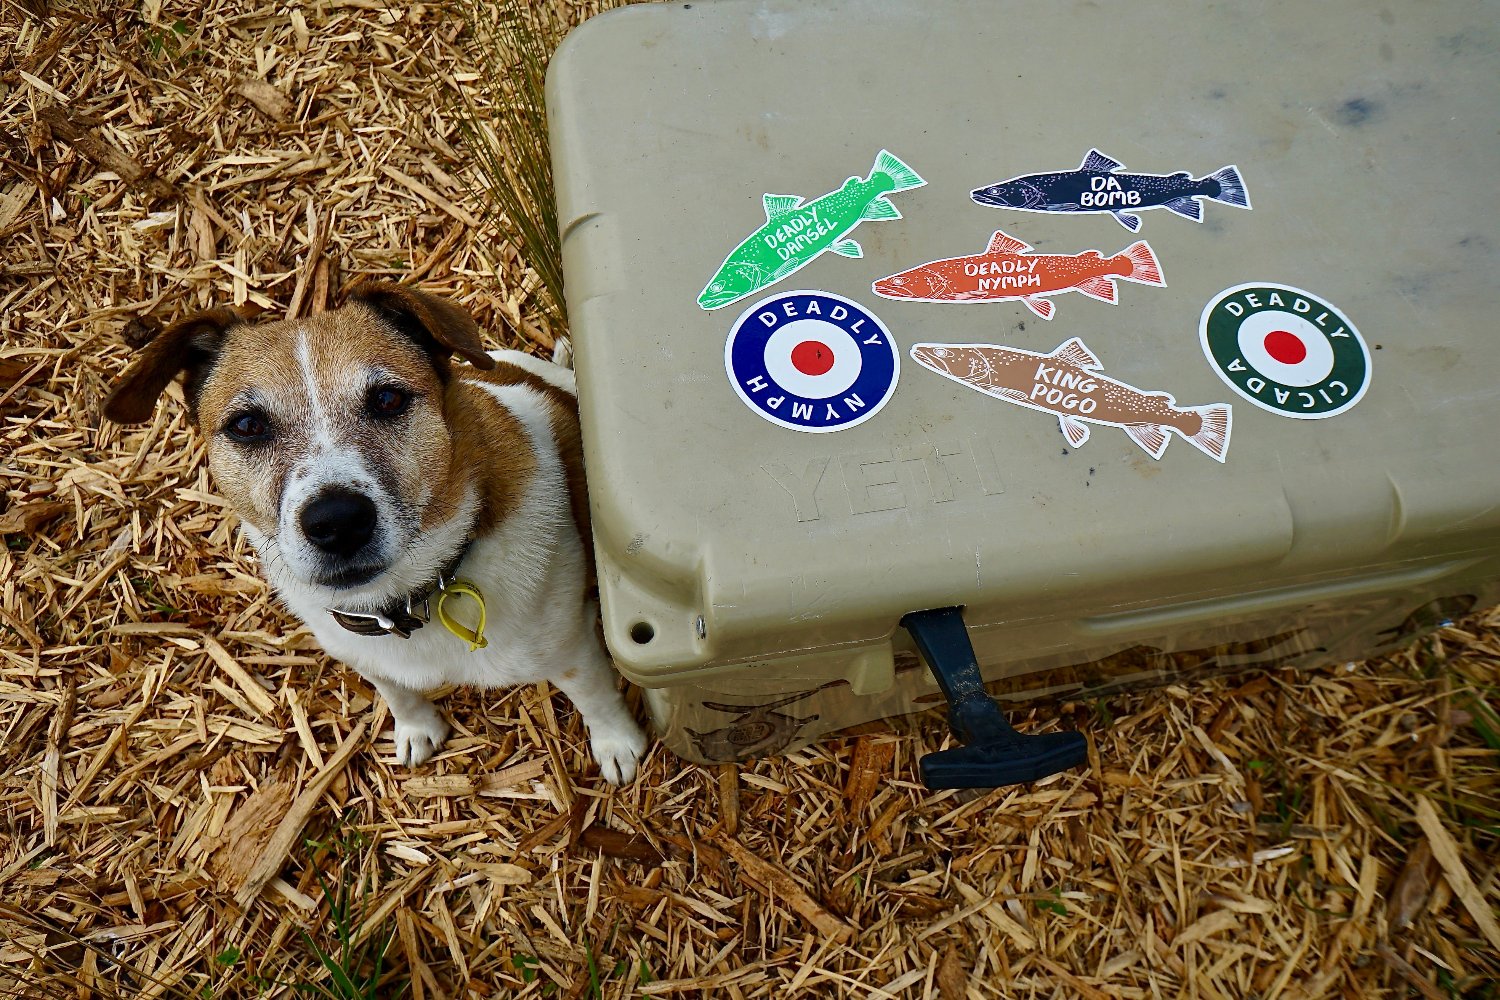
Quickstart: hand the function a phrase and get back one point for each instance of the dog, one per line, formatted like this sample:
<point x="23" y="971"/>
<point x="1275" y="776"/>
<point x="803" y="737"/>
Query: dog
<point x="426" y="519"/>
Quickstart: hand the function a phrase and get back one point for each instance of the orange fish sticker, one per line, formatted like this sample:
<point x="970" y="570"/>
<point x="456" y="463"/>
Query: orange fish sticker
<point x="1008" y="269"/>
<point x="1067" y="384"/>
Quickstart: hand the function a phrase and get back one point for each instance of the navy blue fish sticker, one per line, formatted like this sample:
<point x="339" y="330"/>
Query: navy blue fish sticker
<point x="1098" y="186"/>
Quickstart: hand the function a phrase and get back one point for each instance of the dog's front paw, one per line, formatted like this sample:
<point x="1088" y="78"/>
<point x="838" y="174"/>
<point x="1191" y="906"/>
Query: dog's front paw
<point x="419" y="736"/>
<point x="618" y="749"/>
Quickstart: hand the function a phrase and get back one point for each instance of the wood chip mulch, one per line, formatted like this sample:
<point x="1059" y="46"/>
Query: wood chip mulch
<point x="189" y="788"/>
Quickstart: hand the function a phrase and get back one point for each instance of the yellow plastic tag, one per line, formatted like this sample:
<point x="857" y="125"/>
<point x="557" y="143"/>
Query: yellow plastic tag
<point x="474" y="637"/>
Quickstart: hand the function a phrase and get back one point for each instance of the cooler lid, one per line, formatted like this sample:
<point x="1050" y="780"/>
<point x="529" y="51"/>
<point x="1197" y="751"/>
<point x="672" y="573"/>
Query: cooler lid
<point x="886" y="305"/>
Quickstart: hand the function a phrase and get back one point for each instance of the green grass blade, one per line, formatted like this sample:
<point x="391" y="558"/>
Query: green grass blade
<point x="503" y="118"/>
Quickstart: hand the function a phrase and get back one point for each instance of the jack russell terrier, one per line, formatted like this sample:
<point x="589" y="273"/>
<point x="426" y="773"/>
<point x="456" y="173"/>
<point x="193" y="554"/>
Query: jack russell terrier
<point x="428" y="521"/>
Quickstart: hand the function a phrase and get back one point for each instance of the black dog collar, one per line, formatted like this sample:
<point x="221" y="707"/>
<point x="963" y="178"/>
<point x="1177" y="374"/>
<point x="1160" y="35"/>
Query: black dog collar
<point x="405" y="616"/>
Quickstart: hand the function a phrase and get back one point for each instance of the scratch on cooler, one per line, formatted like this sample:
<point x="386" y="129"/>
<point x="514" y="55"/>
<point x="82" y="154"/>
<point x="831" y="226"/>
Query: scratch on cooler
<point x="1067" y="383"/>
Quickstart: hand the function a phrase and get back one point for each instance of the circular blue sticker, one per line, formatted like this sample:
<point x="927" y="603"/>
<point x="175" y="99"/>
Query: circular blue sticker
<point x="812" y="361"/>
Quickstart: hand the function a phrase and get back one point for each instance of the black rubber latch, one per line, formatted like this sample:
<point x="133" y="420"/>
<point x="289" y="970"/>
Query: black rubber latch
<point x="994" y="754"/>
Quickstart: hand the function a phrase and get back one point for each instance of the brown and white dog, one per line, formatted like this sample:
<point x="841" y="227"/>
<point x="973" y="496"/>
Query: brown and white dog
<point x="366" y="470"/>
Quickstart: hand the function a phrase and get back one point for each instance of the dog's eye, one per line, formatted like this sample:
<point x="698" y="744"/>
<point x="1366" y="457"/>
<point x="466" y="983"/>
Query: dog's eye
<point x="248" y="427"/>
<point x="388" y="401"/>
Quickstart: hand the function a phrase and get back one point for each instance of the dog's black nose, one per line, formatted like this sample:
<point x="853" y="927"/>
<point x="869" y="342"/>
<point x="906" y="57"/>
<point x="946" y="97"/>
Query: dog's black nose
<point x="338" y="521"/>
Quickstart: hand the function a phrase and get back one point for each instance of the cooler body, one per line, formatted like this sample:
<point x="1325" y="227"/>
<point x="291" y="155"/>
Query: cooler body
<point x="1161" y="341"/>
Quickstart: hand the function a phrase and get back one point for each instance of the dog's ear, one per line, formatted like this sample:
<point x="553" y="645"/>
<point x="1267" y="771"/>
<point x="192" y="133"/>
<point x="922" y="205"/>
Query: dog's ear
<point x="437" y="325"/>
<point x="190" y="345"/>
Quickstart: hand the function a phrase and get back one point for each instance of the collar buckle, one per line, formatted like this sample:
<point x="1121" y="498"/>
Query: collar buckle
<point x="373" y="624"/>
<point x="415" y="601"/>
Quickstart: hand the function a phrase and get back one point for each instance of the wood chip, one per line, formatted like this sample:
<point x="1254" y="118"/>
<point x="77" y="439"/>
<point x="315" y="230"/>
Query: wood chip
<point x="869" y="770"/>
<point x="615" y="844"/>
<point x="992" y="912"/>
<point x="104" y="154"/>
<point x="284" y="837"/>
<point x="952" y="976"/>
<point x="1077" y="985"/>
<point x="1413" y="886"/>
<point x="1206" y="927"/>
<point x="781" y="885"/>
<point x="248" y="832"/>
<point x="1446" y="851"/>
<point x="455" y="785"/>
<point x="429" y="195"/>
<point x="267" y="99"/>
<point x="260" y="700"/>
<point x="729" y="799"/>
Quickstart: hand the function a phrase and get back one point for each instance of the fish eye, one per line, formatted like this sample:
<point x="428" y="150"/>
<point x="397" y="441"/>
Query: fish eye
<point x="717" y="286"/>
<point x="898" y="281"/>
<point x="941" y="352"/>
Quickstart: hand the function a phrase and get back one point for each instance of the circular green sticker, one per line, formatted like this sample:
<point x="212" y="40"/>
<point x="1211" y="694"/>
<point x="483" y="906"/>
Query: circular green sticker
<point x="1285" y="350"/>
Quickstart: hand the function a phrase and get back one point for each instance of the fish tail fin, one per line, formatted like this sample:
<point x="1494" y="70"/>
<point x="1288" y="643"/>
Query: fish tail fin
<point x="1144" y="266"/>
<point x="1213" y="436"/>
<point x="901" y="175"/>
<point x="1232" y="189"/>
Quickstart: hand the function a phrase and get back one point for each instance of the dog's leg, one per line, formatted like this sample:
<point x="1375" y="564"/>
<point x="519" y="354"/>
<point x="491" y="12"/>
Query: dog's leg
<point x="615" y="739"/>
<point x="420" y="727"/>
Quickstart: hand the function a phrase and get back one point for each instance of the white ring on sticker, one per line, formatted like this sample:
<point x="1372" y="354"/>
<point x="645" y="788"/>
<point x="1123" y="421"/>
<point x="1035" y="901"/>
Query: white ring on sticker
<point x="1314" y="367"/>
<point x="787" y="338"/>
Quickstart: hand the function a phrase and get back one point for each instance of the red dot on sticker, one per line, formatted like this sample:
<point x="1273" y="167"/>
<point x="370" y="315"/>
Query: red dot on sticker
<point x="812" y="358"/>
<point x="1285" y="347"/>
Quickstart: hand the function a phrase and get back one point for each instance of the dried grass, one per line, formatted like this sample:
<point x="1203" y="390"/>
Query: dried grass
<point x="188" y="788"/>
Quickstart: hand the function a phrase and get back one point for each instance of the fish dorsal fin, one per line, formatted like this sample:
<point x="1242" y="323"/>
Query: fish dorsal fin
<point x="778" y="205"/>
<point x="1001" y="243"/>
<point x="1075" y="353"/>
<point x="1098" y="161"/>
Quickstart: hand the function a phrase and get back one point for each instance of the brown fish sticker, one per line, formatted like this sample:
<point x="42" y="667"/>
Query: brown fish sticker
<point x="1067" y="383"/>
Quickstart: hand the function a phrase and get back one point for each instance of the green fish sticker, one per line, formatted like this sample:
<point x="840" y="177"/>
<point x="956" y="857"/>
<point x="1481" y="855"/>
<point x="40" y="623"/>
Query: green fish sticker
<point x="796" y="231"/>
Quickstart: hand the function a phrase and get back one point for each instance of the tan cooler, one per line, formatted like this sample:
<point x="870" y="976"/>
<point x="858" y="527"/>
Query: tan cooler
<point x="1149" y="341"/>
